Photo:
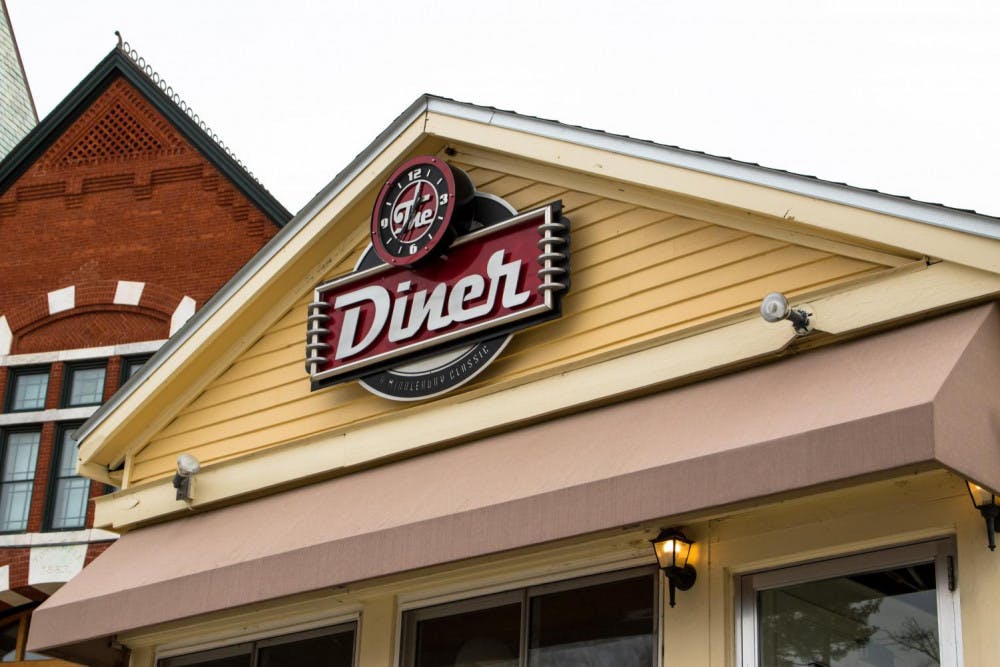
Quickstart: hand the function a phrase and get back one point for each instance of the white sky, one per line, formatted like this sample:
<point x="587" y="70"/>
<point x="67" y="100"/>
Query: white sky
<point x="898" y="96"/>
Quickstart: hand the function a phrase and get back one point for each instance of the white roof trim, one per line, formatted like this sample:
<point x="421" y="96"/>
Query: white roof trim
<point x="900" y="207"/>
<point x="940" y="216"/>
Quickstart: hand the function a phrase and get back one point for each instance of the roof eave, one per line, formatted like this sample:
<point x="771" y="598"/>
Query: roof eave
<point x="900" y="207"/>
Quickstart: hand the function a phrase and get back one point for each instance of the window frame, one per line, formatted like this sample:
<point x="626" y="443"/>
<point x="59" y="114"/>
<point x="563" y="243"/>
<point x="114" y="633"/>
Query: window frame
<point x="941" y="552"/>
<point x="251" y="647"/>
<point x="69" y="369"/>
<point x="61" y="430"/>
<point x="4" y="438"/>
<point x="14" y="372"/>
<point x="411" y="616"/>
<point x="127" y="363"/>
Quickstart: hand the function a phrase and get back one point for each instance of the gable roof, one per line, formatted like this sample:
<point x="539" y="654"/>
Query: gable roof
<point x="431" y="116"/>
<point x="127" y="64"/>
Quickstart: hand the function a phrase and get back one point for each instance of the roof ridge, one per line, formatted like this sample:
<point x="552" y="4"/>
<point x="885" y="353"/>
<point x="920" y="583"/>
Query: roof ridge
<point x="147" y="70"/>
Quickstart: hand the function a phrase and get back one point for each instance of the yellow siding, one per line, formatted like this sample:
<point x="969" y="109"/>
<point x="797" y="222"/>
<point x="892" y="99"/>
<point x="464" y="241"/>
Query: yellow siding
<point x="638" y="274"/>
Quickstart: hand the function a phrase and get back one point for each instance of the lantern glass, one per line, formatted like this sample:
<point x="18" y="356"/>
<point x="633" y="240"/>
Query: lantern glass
<point x="672" y="549"/>
<point x="981" y="497"/>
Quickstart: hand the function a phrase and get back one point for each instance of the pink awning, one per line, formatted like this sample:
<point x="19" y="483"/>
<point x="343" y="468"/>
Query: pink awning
<point x="927" y="395"/>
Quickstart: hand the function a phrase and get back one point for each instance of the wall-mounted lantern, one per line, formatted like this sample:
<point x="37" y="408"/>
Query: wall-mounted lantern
<point x="988" y="505"/>
<point x="672" y="551"/>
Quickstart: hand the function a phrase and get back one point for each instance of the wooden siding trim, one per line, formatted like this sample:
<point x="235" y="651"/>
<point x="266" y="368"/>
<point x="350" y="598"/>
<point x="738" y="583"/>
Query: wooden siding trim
<point x="822" y="216"/>
<point x="787" y="229"/>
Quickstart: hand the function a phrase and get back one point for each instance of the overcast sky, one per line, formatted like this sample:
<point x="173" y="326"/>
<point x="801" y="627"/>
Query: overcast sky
<point x="898" y="96"/>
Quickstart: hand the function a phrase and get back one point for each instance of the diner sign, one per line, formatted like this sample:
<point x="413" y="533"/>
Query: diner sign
<point x="487" y="283"/>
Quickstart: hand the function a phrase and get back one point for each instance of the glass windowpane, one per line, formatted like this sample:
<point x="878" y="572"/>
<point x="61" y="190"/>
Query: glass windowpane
<point x="883" y="618"/>
<point x="328" y="647"/>
<point x="231" y="661"/>
<point x="20" y="456"/>
<point x="8" y="641"/>
<point x="134" y="367"/>
<point x="87" y="386"/>
<point x="29" y="391"/>
<point x="68" y="508"/>
<point x="335" y="650"/>
<point x="15" y="498"/>
<point x="67" y="454"/>
<point x="605" y="624"/>
<point x="70" y="505"/>
<point x="483" y="638"/>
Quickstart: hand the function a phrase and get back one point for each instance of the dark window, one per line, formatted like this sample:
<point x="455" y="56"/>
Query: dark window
<point x="14" y="635"/>
<point x="131" y="366"/>
<point x="83" y="384"/>
<point x="26" y="389"/>
<point x="17" y="478"/>
<point x="602" y="620"/>
<point x="870" y="609"/>
<point x="326" y="647"/>
<point x="67" y="506"/>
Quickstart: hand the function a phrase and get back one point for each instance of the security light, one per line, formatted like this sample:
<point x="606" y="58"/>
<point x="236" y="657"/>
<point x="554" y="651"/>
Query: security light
<point x="775" y="308"/>
<point x="187" y="467"/>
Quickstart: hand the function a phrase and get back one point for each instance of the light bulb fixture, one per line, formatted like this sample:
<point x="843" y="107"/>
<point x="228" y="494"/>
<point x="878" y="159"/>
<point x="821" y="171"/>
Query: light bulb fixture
<point x="775" y="308"/>
<point x="672" y="550"/>
<point x="187" y="467"/>
<point x="988" y="505"/>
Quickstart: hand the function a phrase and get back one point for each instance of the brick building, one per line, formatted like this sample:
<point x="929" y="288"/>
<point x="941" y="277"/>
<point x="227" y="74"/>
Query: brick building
<point x="120" y="215"/>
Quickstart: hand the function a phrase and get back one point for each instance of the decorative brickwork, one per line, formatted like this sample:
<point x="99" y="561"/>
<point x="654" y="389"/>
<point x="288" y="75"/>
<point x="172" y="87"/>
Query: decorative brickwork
<point x="119" y="126"/>
<point x="121" y="195"/>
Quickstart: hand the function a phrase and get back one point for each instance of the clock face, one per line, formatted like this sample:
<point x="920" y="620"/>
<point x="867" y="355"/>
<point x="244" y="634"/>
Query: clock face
<point x="413" y="211"/>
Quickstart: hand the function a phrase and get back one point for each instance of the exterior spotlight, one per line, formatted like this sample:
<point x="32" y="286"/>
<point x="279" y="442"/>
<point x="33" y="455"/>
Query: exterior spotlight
<point x="775" y="308"/>
<point x="989" y="506"/>
<point x="187" y="467"/>
<point x="672" y="550"/>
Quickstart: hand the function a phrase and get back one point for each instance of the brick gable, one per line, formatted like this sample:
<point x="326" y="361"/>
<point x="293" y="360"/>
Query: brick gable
<point x="120" y="195"/>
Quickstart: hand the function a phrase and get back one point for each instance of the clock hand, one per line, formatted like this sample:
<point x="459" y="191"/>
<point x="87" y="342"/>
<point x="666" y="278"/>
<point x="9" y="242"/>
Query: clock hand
<point x="411" y="214"/>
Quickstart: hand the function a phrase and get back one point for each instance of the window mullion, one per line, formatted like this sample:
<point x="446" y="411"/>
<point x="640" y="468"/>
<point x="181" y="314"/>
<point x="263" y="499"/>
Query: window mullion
<point x="523" y="647"/>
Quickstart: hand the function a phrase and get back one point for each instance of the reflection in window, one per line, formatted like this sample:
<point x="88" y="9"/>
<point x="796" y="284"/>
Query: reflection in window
<point x="604" y="620"/>
<point x="893" y="607"/>
<point x="68" y="508"/>
<point x="326" y="647"/>
<point x="27" y="390"/>
<point x="86" y="386"/>
<point x="608" y="624"/>
<point x="13" y="638"/>
<point x="131" y="366"/>
<point x="880" y="618"/>
<point x="17" y="478"/>
<point x="477" y="637"/>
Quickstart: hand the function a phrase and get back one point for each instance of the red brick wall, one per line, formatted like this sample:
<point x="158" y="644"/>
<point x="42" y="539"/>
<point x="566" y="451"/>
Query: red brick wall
<point x="120" y="195"/>
<point x="139" y="205"/>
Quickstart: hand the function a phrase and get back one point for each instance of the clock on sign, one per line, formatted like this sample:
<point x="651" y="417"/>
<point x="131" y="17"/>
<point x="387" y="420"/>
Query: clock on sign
<point x="419" y="209"/>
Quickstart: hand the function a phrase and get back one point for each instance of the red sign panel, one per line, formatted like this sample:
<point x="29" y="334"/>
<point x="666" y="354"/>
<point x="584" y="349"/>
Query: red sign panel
<point x="504" y="277"/>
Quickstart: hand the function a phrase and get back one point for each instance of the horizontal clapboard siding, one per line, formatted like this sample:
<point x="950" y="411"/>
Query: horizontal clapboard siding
<point x="638" y="274"/>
